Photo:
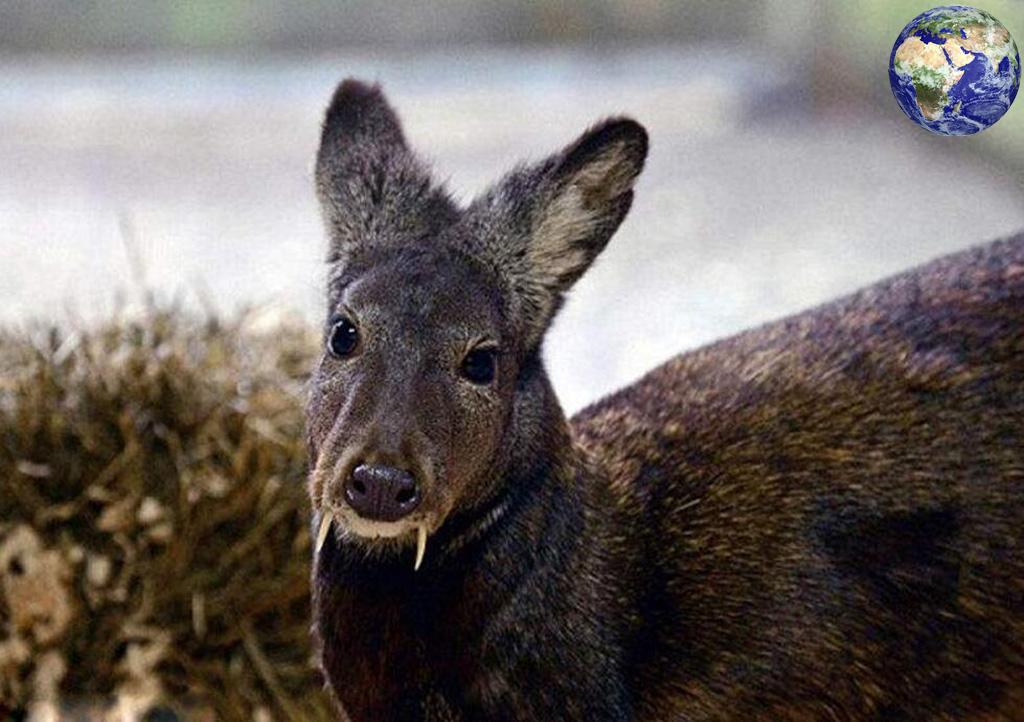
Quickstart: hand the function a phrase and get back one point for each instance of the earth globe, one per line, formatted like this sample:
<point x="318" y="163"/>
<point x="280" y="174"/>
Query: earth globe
<point x="954" y="70"/>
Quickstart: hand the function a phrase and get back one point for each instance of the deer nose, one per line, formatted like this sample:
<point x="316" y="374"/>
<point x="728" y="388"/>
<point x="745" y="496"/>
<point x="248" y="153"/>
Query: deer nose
<point x="381" y="493"/>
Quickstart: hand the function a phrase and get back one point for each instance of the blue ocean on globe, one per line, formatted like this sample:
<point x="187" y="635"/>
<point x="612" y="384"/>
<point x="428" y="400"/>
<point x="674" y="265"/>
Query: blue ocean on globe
<point x="955" y="70"/>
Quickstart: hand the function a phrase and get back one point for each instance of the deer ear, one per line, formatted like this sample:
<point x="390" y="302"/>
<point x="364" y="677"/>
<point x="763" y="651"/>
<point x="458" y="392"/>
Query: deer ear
<point x="544" y="225"/>
<point x="373" y="191"/>
<point x="359" y="119"/>
<point x="587" y="196"/>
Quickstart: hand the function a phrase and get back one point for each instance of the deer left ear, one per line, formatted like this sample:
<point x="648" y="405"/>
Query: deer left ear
<point x="587" y="196"/>
<point x="543" y="225"/>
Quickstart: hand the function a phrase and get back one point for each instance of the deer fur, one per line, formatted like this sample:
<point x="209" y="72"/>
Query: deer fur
<point x="819" y="519"/>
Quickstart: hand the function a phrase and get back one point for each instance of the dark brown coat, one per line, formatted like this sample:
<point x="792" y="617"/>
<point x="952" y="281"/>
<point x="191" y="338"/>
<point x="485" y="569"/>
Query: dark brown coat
<point x="834" y="505"/>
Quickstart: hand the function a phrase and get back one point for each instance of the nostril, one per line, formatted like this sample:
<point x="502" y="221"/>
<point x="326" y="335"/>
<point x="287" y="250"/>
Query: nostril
<point x="405" y="496"/>
<point x="358" y="486"/>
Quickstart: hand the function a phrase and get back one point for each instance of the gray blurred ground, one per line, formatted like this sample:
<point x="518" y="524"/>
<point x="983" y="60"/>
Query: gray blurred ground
<point x="757" y="202"/>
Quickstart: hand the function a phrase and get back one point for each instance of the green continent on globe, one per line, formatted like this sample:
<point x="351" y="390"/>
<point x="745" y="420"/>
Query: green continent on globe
<point x="955" y="70"/>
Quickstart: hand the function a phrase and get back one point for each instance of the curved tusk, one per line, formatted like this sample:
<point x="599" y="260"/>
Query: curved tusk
<point x="325" y="528"/>
<point x="421" y="545"/>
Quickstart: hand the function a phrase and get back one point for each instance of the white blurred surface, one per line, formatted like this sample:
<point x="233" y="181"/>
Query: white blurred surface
<point x="754" y="204"/>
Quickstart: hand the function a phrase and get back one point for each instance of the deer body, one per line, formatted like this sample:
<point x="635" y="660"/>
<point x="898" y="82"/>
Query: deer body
<point x="820" y="519"/>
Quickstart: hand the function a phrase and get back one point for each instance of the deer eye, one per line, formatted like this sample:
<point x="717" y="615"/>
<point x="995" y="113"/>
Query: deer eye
<point x="343" y="339"/>
<point x="480" y="365"/>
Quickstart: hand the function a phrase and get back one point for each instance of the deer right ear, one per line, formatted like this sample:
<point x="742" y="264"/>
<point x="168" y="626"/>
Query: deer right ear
<point x="359" y="120"/>
<point x="371" y="188"/>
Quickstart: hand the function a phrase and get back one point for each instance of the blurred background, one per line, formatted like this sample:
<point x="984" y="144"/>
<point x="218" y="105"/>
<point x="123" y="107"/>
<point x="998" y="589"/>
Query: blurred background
<point x="178" y="138"/>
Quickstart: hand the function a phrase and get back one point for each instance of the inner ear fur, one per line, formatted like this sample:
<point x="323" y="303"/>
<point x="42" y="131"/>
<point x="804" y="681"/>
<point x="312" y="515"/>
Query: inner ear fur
<point x="589" y="195"/>
<point x="542" y="226"/>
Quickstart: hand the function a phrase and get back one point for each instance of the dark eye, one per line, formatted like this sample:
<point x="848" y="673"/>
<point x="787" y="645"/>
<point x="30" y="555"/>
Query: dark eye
<point x="343" y="339"/>
<point x="480" y="365"/>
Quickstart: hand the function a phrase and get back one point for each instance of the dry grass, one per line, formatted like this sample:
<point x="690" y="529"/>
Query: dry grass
<point x="154" y="541"/>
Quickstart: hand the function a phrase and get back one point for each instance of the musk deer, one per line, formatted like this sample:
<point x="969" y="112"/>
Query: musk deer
<point x="820" y="519"/>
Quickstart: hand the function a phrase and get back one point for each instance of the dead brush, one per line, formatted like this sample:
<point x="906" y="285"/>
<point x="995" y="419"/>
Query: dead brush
<point x="154" y="540"/>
